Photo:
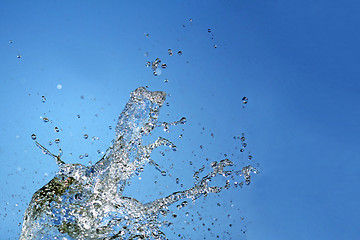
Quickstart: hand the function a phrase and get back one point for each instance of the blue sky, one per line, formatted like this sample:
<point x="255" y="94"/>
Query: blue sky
<point x="297" y="62"/>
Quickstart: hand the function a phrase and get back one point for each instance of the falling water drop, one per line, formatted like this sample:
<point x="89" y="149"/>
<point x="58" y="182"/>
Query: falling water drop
<point x="245" y="100"/>
<point x="33" y="136"/>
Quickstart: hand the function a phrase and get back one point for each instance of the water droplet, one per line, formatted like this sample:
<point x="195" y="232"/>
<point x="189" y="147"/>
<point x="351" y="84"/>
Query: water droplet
<point x="242" y="150"/>
<point x="183" y="120"/>
<point x="250" y="157"/>
<point x="242" y="139"/>
<point x="157" y="72"/>
<point x="166" y="80"/>
<point x="244" y="145"/>
<point x="190" y="20"/>
<point x="45" y="119"/>
<point x="215" y="46"/>
<point x="180" y="53"/>
<point x="56" y="129"/>
<point x="57" y="140"/>
<point x="110" y="127"/>
<point x="98" y="151"/>
<point x="81" y="156"/>
<point x="148" y="64"/>
<point x="146" y="35"/>
<point x="33" y="136"/>
<point x="78" y="116"/>
<point x="164" y="65"/>
<point x="59" y="86"/>
<point x="86" y="136"/>
<point x="170" y="52"/>
<point x="10" y="41"/>
<point x="209" y="30"/>
<point x="18" y="56"/>
<point x="180" y="136"/>
<point x="177" y="180"/>
<point x="245" y="100"/>
<point x="86" y="155"/>
<point x="43" y="99"/>
<point x="50" y="143"/>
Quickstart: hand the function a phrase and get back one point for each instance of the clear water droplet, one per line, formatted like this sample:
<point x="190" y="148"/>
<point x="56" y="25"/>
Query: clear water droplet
<point x="215" y="46"/>
<point x="170" y="52"/>
<point x="59" y="86"/>
<point x="33" y="136"/>
<point x="250" y="157"/>
<point x="245" y="100"/>
<point x="164" y="65"/>
<point x="163" y="173"/>
<point x="209" y="30"/>
<point x="56" y="129"/>
<point x="18" y="56"/>
<point x="148" y="64"/>
<point x="180" y="53"/>
<point x="43" y="99"/>
<point x="81" y="156"/>
<point x="57" y="140"/>
<point x="183" y="120"/>
<point x="86" y="136"/>
<point x="166" y="80"/>
<point x="78" y="116"/>
<point x="45" y="119"/>
<point x="86" y="155"/>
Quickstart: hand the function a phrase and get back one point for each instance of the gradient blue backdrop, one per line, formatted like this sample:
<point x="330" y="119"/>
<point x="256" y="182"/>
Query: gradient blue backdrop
<point x="296" y="61"/>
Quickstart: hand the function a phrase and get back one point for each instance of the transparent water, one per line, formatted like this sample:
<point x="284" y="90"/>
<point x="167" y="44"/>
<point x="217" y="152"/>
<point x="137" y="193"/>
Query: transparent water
<point x="87" y="202"/>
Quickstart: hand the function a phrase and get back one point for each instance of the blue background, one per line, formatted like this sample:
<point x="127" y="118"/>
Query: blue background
<point x="296" y="61"/>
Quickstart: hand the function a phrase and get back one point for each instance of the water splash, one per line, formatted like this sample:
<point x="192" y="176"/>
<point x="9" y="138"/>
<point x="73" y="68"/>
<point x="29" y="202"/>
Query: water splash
<point x="87" y="202"/>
